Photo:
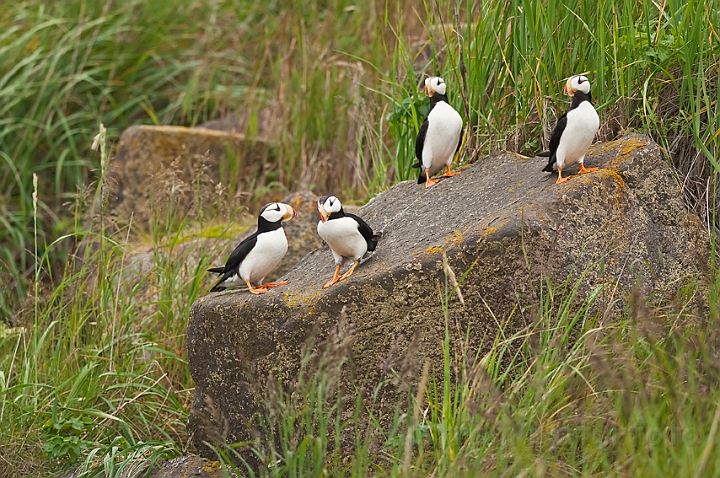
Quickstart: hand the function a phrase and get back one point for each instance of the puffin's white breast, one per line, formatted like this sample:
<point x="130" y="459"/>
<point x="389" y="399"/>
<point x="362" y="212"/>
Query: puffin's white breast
<point x="343" y="237"/>
<point x="582" y="124"/>
<point x="442" y="137"/>
<point x="269" y="250"/>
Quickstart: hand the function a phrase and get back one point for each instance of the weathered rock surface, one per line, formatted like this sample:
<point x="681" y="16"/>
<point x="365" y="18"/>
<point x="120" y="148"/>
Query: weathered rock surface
<point x="158" y="165"/>
<point x="502" y="221"/>
<point x="186" y="466"/>
<point x="180" y="467"/>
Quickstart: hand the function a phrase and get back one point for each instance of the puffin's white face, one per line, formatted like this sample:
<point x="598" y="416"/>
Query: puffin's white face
<point x="277" y="211"/>
<point x="328" y="205"/>
<point x="433" y="85"/>
<point x="577" y="83"/>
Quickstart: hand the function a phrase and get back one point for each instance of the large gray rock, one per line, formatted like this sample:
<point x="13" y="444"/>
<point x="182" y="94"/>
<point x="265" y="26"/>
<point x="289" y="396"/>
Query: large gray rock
<point x="502" y="222"/>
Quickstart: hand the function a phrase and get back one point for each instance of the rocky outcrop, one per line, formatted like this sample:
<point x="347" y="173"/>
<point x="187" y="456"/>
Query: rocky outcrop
<point x="189" y="169"/>
<point x="180" y="467"/>
<point x="503" y="227"/>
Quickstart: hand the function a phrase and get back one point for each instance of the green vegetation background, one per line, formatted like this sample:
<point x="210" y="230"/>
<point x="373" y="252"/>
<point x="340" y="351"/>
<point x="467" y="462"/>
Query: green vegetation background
<point x="93" y="372"/>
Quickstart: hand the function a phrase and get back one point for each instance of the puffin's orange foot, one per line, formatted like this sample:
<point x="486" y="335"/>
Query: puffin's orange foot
<point x="431" y="182"/>
<point x="270" y="285"/>
<point x="350" y="271"/>
<point x="260" y="289"/>
<point x="561" y="180"/>
<point x="584" y="170"/>
<point x="334" y="280"/>
<point x="448" y="173"/>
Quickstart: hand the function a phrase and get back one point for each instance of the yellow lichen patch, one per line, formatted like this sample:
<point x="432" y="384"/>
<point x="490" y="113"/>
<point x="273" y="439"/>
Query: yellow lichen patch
<point x="619" y="149"/>
<point x="456" y="239"/>
<point x="211" y="466"/>
<point x="581" y="180"/>
<point x="489" y="230"/>
<point x="615" y="175"/>
<point x="634" y="143"/>
<point x="309" y="299"/>
<point x="576" y="181"/>
<point x="624" y="148"/>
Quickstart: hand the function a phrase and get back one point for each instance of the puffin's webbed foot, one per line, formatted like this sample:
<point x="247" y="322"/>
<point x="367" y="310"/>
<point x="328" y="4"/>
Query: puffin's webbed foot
<point x="350" y="271"/>
<point x="335" y="278"/>
<point x="270" y="285"/>
<point x="259" y="290"/>
<point x="584" y="170"/>
<point x="449" y="173"/>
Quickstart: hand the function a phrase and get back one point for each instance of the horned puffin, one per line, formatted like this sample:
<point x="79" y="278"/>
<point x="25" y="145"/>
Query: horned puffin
<point x="259" y="253"/>
<point x="348" y="236"/>
<point x="440" y="135"/>
<point x="574" y="131"/>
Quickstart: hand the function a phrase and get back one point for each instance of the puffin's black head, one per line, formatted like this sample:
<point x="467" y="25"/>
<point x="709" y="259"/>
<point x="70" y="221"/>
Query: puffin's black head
<point x="276" y="212"/>
<point x="577" y="83"/>
<point x="433" y="85"/>
<point x="327" y="206"/>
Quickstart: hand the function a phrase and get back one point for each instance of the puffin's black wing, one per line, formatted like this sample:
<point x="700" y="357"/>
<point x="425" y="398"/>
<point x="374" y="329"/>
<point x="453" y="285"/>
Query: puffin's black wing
<point x="460" y="140"/>
<point x="555" y="142"/>
<point x="236" y="257"/>
<point x="366" y="232"/>
<point x="419" y="142"/>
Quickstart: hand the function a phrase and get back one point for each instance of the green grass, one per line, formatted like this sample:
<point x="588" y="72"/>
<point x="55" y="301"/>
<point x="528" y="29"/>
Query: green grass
<point x="565" y="396"/>
<point x="67" y="67"/>
<point x="341" y="82"/>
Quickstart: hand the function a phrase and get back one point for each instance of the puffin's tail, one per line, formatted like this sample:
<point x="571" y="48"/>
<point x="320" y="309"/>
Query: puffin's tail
<point x="551" y="161"/>
<point x="421" y="178"/>
<point x="549" y="167"/>
<point x="218" y="270"/>
<point x="372" y="243"/>
<point x="218" y="285"/>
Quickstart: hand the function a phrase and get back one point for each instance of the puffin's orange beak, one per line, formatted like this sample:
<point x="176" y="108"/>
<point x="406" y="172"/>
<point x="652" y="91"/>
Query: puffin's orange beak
<point x="428" y="90"/>
<point x="568" y="90"/>
<point x="323" y="214"/>
<point x="290" y="213"/>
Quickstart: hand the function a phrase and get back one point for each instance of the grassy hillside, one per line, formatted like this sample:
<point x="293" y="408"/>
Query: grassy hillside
<point x="341" y="82"/>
